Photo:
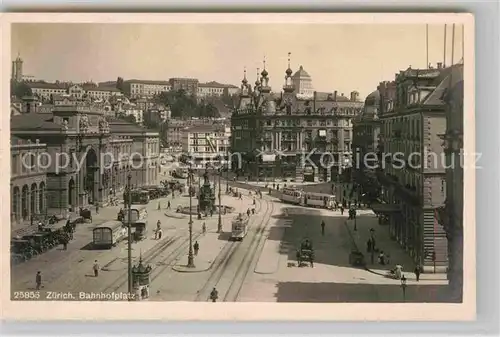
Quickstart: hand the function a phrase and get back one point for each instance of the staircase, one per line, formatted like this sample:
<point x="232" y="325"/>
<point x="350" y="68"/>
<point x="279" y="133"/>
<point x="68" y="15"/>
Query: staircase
<point x="434" y="241"/>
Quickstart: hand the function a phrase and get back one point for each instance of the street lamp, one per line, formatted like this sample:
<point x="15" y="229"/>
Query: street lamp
<point x="403" y="286"/>
<point x="190" y="263"/>
<point x="129" y="227"/>
<point x="219" y="224"/>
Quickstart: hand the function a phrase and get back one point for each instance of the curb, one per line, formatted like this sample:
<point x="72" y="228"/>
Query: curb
<point x="371" y="270"/>
<point x="194" y="270"/>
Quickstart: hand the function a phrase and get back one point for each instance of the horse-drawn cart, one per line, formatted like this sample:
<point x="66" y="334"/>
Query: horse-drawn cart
<point x="305" y="254"/>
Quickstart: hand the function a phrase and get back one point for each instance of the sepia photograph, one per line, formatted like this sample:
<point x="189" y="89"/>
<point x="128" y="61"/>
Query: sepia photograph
<point x="257" y="160"/>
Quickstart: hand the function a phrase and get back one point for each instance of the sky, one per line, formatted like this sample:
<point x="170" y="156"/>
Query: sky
<point x="338" y="57"/>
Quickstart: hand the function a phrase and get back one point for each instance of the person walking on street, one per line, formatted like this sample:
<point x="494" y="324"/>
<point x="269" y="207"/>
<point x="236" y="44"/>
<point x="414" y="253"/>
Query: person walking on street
<point x="417" y="272"/>
<point x="204" y="228"/>
<point x="196" y="248"/>
<point x="341" y="210"/>
<point x="96" y="208"/>
<point x="159" y="232"/>
<point x="96" y="268"/>
<point x="168" y="204"/>
<point x="248" y="212"/>
<point x="323" y="228"/>
<point x="38" y="280"/>
<point x="214" y="295"/>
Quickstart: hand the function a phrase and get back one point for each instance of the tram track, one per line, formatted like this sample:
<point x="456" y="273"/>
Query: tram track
<point x="216" y="278"/>
<point x="123" y="279"/>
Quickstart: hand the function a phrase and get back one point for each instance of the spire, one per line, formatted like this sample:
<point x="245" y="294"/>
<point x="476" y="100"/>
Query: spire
<point x="244" y="81"/>
<point x="288" y="86"/>
<point x="264" y="72"/>
<point x="289" y="70"/>
<point x="257" y="82"/>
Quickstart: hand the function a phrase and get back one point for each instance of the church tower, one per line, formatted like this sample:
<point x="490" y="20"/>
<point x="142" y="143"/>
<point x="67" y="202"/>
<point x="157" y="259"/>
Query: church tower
<point x="17" y="69"/>
<point x="288" y="87"/>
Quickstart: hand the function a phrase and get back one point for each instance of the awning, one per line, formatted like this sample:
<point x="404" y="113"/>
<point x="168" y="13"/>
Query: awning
<point x="385" y="208"/>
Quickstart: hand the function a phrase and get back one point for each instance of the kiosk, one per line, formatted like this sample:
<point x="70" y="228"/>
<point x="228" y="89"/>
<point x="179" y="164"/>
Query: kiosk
<point x="141" y="280"/>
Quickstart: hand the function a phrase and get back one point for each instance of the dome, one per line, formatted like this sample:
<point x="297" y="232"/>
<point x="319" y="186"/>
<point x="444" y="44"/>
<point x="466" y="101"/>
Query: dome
<point x="264" y="73"/>
<point x="301" y="73"/>
<point x="373" y="98"/>
<point x="289" y="72"/>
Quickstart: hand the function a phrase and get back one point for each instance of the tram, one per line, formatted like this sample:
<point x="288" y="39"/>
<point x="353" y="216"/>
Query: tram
<point x="239" y="227"/>
<point x="321" y="200"/>
<point x="108" y="234"/>
<point x="292" y="195"/>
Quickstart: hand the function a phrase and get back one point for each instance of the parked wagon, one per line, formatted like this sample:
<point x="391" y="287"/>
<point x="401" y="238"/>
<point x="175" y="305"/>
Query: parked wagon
<point x="108" y="234"/>
<point x="305" y="254"/>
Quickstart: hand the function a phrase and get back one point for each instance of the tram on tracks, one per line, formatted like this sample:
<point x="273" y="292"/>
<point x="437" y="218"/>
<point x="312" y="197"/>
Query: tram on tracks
<point x="292" y="195"/>
<point x="239" y="227"/>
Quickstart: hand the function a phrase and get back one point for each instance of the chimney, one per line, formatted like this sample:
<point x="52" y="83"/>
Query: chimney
<point x="354" y="96"/>
<point x="440" y="65"/>
<point x="335" y="95"/>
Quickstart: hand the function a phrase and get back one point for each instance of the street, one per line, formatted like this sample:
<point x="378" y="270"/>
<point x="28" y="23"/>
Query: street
<point x="260" y="268"/>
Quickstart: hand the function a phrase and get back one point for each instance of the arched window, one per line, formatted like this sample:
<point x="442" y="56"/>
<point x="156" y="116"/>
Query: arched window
<point x="24" y="202"/>
<point x="34" y="199"/>
<point x="16" y="195"/>
<point x="42" y="207"/>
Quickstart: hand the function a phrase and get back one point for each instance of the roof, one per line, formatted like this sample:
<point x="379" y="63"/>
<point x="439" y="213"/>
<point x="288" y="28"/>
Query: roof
<point x="301" y="73"/>
<point x="373" y="98"/>
<point x="34" y="121"/>
<point x="448" y="78"/>
<point x="43" y="85"/>
<point x="148" y="82"/>
<point x="120" y="126"/>
<point x="205" y="128"/>
<point x="217" y="84"/>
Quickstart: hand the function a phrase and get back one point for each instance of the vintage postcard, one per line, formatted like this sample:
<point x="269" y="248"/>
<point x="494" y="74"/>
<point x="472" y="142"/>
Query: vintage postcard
<point x="239" y="167"/>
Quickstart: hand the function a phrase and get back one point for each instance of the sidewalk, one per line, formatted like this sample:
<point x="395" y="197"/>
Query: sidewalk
<point x="212" y="243"/>
<point x="397" y="255"/>
<point x="270" y="256"/>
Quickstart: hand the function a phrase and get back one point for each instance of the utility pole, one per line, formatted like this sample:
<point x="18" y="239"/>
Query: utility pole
<point x="190" y="263"/>
<point x="219" y="224"/>
<point x="129" y="225"/>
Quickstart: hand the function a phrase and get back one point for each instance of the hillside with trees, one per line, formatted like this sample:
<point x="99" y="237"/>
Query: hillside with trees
<point x="184" y="105"/>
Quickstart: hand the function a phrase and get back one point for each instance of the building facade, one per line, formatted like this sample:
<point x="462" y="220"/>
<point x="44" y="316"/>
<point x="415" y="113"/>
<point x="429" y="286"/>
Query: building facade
<point x="28" y="179"/>
<point x="46" y="91"/>
<point x="145" y="88"/>
<point x="216" y="89"/>
<point x="289" y="136"/>
<point x="17" y="69"/>
<point x="366" y="138"/>
<point x="413" y="116"/>
<point x="452" y="214"/>
<point x="206" y="142"/>
<point x="190" y="85"/>
<point x="302" y="83"/>
<point x="89" y="155"/>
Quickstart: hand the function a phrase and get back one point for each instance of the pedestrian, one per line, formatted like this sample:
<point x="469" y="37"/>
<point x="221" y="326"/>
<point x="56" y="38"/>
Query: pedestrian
<point x="211" y="211"/>
<point x="196" y="247"/>
<point x="159" y="232"/>
<point x="341" y="210"/>
<point x="96" y="268"/>
<point x="204" y="228"/>
<point x="248" y="212"/>
<point x="323" y="228"/>
<point x="168" y="204"/>
<point x="96" y="208"/>
<point x="417" y="272"/>
<point x="274" y="186"/>
<point x="254" y="201"/>
<point x="381" y="258"/>
<point x="214" y="295"/>
<point x="38" y="280"/>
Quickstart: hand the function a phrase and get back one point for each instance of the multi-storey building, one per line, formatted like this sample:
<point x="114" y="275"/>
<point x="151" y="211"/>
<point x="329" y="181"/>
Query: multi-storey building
<point x="412" y="168"/>
<point x="452" y="214"/>
<point x="17" y="69"/>
<point x="46" y="91"/>
<point x="90" y="156"/>
<point x="28" y="179"/>
<point x="290" y="136"/>
<point x="157" y="116"/>
<point x="302" y="83"/>
<point x="216" y="89"/>
<point x="145" y="88"/>
<point x="366" y="134"/>
<point x="190" y="85"/>
<point x="206" y="142"/>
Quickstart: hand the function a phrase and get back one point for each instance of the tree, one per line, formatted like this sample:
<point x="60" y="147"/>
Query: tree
<point x="130" y="118"/>
<point x="20" y="89"/>
<point x="119" y="83"/>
